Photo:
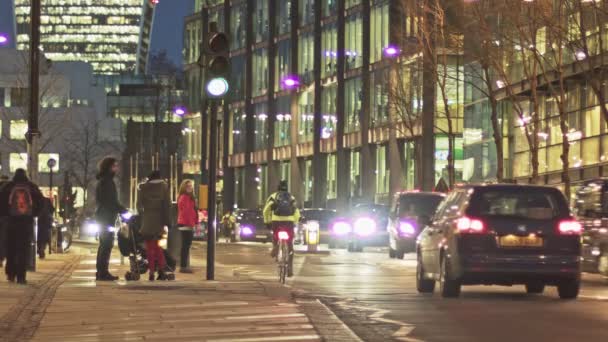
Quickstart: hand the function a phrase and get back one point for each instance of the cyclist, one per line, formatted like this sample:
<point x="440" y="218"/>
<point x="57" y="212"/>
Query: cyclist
<point x="281" y="211"/>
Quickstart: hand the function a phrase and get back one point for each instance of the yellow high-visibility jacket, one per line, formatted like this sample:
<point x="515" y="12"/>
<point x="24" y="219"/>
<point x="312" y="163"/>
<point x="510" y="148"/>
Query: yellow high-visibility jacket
<point x="270" y="217"/>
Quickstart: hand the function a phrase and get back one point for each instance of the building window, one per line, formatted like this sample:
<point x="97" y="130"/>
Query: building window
<point x="307" y="12"/>
<point x="354" y="41"/>
<point x="285" y="171"/>
<point x="409" y="151"/>
<point x="17" y="161"/>
<point x="260" y="20"/>
<point x="238" y="21"/>
<point x="216" y="15"/>
<point x="352" y="106"/>
<point x="351" y="3"/>
<point x="261" y="180"/>
<point x="237" y="64"/>
<point x="283" y="20"/>
<point x="355" y="174"/>
<point x="332" y="172"/>
<point x="18" y="129"/>
<point x="282" y="63"/>
<point x="239" y="125"/>
<point x="19" y="97"/>
<point x="306" y="56"/>
<point x="261" y="125"/>
<point x="43" y="159"/>
<point x="329" y="48"/>
<point x="379" y="97"/>
<point x="441" y="158"/>
<point x="328" y="111"/>
<point x="308" y="180"/>
<point x="260" y="72"/>
<point x="2" y="97"/>
<point x="379" y="31"/>
<point x="282" y="124"/>
<point x="306" y="115"/>
<point x="382" y="171"/>
<point x="329" y="7"/>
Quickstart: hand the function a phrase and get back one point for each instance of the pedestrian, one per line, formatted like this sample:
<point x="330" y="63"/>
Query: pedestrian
<point x="45" y="224"/>
<point x="153" y="206"/>
<point x="187" y="220"/>
<point x="21" y="201"/>
<point x="3" y="181"/>
<point x="108" y="209"/>
<point x="228" y="223"/>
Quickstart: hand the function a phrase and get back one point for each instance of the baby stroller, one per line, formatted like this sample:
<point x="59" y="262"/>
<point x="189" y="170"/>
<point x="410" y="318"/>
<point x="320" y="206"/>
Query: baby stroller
<point x="131" y="245"/>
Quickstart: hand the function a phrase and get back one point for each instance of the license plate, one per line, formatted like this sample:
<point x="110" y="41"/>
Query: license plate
<point x="260" y="236"/>
<point x="520" y="241"/>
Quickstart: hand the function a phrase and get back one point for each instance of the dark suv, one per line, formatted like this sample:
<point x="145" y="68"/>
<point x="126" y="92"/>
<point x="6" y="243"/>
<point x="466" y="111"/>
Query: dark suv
<point x="501" y="235"/>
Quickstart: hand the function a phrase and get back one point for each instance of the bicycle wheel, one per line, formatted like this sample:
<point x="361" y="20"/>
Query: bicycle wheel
<point x="283" y="261"/>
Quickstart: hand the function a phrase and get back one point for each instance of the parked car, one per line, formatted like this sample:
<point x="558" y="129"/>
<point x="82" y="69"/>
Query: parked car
<point x="410" y="213"/>
<point x="324" y="217"/>
<point x="591" y="207"/>
<point x="250" y="226"/>
<point x="501" y="235"/>
<point x="364" y="225"/>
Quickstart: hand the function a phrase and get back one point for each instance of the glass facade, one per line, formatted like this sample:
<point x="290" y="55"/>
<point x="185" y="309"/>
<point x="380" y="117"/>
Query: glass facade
<point x="260" y="76"/>
<point x="353" y="41"/>
<point x="328" y="111"/>
<point x="282" y="63"/>
<point x="353" y="102"/>
<point x="329" y="50"/>
<point x="283" y="17"/>
<point x="306" y="116"/>
<point x="260" y="20"/>
<point x="282" y="124"/>
<point x="112" y="35"/>
<point x="261" y="125"/>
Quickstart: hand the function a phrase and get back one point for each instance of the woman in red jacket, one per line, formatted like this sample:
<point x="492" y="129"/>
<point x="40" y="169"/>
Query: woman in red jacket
<point x="187" y="219"/>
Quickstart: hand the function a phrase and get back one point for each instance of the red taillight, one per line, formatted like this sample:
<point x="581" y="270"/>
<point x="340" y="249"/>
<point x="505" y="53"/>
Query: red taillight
<point x="570" y="227"/>
<point x="283" y="235"/>
<point x="469" y="225"/>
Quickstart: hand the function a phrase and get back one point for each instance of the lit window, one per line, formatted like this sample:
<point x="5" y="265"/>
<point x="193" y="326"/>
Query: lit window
<point x="43" y="160"/>
<point x="17" y="161"/>
<point x="18" y="129"/>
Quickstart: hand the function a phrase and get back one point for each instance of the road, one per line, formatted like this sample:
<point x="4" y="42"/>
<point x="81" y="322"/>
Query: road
<point x="376" y="298"/>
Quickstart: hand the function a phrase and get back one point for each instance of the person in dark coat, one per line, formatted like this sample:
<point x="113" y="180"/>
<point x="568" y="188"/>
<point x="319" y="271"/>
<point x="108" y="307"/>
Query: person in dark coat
<point x="20" y="201"/>
<point x="3" y="181"/>
<point x="45" y="224"/>
<point x="154" y="208"/>
<point x="108" y="209"/>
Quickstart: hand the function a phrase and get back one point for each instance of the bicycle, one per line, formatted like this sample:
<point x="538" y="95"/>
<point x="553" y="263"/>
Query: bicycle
<point x="283" y="256"/>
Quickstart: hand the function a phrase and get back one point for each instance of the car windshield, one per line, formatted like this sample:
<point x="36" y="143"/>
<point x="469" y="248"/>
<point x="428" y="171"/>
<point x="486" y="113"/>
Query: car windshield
<point x="319" y="215"/>
<point x="370" y="209"/>
<point x="415" y="205"/>
<point x="249" y="215"/>
<point x="530" y="204"/>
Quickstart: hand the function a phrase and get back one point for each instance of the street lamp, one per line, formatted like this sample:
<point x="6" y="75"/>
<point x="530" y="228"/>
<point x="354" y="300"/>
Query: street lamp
<point x="391" y="51"/>
<point x="3" y="39"/>
<point x="179" y="111"/>
<point x="290" y="82"/>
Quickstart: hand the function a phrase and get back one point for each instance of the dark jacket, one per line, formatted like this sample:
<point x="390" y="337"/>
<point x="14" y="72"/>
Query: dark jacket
<point x="154" y="207"/>
<point x="45" y="217"/>
<point x="106" y="198"/>
<point x="5" y="193"/>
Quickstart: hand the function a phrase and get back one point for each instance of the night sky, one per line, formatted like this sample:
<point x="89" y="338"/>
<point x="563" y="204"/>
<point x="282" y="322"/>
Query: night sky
<point x="167" y="32"/>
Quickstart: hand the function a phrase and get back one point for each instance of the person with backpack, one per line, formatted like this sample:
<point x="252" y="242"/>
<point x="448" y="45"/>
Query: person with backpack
<point x="20" y="201"/>
<point x="154" y="208"/>
<point x="45" y="225"/>
<point x="281" y="210"/>
<point x="108" y="209"/>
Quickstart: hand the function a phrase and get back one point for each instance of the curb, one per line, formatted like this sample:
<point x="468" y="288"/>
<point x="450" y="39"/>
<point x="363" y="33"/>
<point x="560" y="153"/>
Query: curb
<point x="325" y="321"/>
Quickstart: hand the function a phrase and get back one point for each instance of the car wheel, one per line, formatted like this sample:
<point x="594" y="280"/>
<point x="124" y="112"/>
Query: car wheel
<point x="391" y="252"/>
<point x="423" y="285"/>
<point x="535" y="288"/>
<point x="359" y="249"/>
<point x="568" y="289"/>
<point x="400" y="254"/>
<point x="450" y="288"/>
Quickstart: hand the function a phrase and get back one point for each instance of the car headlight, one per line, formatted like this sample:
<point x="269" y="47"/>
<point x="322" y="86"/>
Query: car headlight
<point x="91" y="228"/>
<point x="246" y="231"/>
<point x="365" y="226"/>
<point x="341" y="228"/>
<point x="596" y="251"/>
<point x="406" y="228"/>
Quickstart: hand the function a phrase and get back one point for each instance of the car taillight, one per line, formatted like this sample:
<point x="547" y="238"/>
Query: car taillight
<point x="283" y="235"/>
<point x="570" y="227"/>
<point x="469" y="225"/>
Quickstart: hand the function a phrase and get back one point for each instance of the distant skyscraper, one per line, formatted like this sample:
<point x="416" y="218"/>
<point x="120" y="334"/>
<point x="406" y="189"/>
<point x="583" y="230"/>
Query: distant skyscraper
<point x="112" y="35"/>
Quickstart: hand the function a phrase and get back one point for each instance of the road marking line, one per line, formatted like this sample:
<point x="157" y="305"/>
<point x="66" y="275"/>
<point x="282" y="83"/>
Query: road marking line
<point x="236" y="318"/>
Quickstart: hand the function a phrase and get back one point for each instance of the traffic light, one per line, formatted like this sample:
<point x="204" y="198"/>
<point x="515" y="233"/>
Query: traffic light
<point x="218" y="67"/>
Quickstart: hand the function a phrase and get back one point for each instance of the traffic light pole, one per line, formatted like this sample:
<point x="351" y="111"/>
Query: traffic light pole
<point x="212" y="197"/>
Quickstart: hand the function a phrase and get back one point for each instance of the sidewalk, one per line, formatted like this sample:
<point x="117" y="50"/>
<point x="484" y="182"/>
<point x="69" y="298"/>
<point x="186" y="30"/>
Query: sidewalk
<point x="70" y="306"/>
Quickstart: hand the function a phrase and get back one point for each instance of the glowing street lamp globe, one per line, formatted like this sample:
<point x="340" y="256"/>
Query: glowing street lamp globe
<point x="3" y="39"/>
<point x="391" y="51"/>
<point x="179" y="111"/>
<point x="290" y="82"/>
<point x="217" y="87"/>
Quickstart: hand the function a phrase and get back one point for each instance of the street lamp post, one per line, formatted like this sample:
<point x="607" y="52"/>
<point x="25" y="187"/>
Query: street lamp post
<point x="51" y="163"/>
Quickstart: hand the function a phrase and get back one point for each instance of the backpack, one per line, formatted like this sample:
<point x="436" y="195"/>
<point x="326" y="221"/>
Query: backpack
<point x="20" y="201"/>
<point x="283" y="204"/>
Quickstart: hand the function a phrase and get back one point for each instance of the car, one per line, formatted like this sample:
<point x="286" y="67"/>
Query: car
<point x="410" y="213"/>
<point x="501" y="235"/>
<point x="250" y="226"/>
<point x="364" y="225"/>
<point x="324" y="217"/>
<point x="591" y="208"/>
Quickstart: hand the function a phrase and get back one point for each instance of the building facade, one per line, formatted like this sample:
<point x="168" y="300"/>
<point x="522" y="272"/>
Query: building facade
<point x="111" y="35"/>
<point x="334" y="137"/>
